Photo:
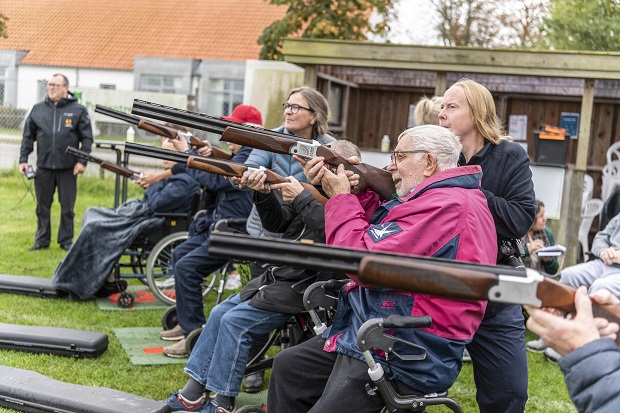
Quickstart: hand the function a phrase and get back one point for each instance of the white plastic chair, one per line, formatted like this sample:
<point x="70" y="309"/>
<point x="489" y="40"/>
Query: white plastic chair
<point x="590" y="211"/>
<point x="588" y="189"/>
<point x="613" y="151"/>
<point x="611" y="179"/>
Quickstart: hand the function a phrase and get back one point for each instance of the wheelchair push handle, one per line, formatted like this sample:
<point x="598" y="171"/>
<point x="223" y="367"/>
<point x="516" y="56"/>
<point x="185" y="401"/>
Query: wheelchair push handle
<point x="400" y="321"/>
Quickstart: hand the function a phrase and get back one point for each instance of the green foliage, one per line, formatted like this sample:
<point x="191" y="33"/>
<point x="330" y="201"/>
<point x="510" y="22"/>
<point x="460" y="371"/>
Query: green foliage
<point x="112" y="369"/>
<point x="584" y="25"/>
<point x="325" y="19"/>
<point x="3" y="20"/>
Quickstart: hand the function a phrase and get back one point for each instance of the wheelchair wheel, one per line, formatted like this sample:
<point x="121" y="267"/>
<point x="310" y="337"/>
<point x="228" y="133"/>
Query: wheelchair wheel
<point x="159" y="274"/>
<point x="169" y="320"/>
<point x="191" y="339"/>
<point x="125" y="300"/>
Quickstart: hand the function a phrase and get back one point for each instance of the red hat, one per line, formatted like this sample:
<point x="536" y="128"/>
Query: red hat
<point x="245" y="114"/>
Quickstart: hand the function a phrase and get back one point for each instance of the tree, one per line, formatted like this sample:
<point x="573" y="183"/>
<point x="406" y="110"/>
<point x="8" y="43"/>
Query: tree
<point x="468" y="22"/>
<point x="584" y="25"/>
<point x="325" y="19"/>
<point x="3" y="20"/>
<point x="523" y="23"/>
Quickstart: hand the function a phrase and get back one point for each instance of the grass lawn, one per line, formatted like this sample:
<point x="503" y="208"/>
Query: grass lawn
<point x="113" y="369"/>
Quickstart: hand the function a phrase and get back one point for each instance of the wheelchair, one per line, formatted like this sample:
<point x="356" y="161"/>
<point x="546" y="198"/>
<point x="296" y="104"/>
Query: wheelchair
<point x="323" y="296"/>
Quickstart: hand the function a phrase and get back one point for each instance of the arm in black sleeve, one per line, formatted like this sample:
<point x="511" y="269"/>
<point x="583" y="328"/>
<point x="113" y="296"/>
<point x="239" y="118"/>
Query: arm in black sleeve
<point x="30" y="135"/>
<point x="275" y="216"/>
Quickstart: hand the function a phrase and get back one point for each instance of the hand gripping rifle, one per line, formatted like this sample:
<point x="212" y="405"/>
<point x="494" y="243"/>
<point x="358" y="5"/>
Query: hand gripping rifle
<point x="117" y="169"/>
<point x="215" y="166"/>
<point x="425" y="275"/>
<point x="161" y="130"/>
<point x="378" y="179"/>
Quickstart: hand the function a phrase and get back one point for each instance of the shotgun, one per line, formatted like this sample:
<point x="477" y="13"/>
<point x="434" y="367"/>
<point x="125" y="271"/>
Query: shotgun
<point x="158" y="129"/>
<point x="426" y="275"/>
<point x="117" y="169"/>
<point x="215" y="166"/>
<point x="378" y="179"/>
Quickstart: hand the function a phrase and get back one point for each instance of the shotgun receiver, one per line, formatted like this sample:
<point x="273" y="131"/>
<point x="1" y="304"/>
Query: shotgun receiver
<point x="378" y="179"/>
<point x="426" y="275"/>
<point x="215" y="166"/>
<point x="117" y="169"/>
<point x="158" y="129"/>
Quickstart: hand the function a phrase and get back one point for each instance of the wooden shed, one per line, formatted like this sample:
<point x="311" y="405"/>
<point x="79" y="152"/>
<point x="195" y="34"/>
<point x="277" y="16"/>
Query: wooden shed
<point x="373" y="87"/>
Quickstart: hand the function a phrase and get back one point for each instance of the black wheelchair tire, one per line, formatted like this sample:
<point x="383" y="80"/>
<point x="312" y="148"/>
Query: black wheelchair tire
<point x="191" y="339"/>
<point x="170" y="319"/>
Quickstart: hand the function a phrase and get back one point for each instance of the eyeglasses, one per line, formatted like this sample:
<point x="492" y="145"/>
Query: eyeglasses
<point x="294" y="108"/>
<point x="397" y="155"/>
<point x="50" y="85"/>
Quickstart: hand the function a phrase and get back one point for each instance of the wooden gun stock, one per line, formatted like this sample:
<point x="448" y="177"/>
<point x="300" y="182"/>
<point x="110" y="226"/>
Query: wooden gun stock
<point x="377" y="179"/>
<point x="216" y="152"/>
<point x="232" y="169"/>
<point x="466" y="282"/>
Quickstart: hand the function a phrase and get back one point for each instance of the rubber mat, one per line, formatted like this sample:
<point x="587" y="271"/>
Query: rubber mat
<point x="143" y="300"/>
<point x="144" y="347"/>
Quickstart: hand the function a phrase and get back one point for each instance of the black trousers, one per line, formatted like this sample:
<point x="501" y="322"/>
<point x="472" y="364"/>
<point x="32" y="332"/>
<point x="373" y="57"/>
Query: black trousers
<point x="307" y="379"/>
<point x="45" y="184"/>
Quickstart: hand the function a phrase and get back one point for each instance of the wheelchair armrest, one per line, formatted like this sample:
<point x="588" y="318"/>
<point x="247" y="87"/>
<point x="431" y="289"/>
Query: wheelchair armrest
<point x="323" y="294"/>
<point x="226" y="224"/>
<point x="371" y="336"/>
<point x="171" y="215"/>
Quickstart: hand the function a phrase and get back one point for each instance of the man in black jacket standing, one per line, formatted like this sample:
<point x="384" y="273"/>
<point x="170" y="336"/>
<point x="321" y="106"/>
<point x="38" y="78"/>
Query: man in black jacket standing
<point x="56" y="123"/>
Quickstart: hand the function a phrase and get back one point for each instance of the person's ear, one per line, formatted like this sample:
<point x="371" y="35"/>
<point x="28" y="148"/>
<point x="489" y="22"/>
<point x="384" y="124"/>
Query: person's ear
<point x="431" y="165"/>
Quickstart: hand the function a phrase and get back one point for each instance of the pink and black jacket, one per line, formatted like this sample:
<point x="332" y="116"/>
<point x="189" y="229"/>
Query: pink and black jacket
<point x="446" y="216"/>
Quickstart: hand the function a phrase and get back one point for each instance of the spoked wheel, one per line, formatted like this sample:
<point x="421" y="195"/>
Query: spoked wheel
<point x="125" y="300"/>
<point x="159" y="273"/>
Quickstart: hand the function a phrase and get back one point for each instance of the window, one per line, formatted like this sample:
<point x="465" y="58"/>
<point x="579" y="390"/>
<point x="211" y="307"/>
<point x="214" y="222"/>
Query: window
<point x="107" y="86"/>
<point x="161" y="83"/>
<point x="335" y="102"/>
<point x="223" y="96"/>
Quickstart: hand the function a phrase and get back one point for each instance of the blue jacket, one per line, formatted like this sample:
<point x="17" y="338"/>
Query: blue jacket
<point x="229" y="201"/>
<point x="592" y="374"/>
<point x="174" y="194"/>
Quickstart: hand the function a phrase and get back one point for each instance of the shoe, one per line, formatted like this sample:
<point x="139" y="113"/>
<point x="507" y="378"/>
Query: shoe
<point x="176" y="350"/>
<point x="253" y="383"/>
<point x="552" y="355"/>
<point x="214" y="407"/>
<point x="176" y="333"/>
<point x="466" y="356"/>
<point x="178" y="403"/>
<point x="66" y="246"/>
<point x="536" y="346"/>
<point x="110" y="288"/>
<point x="36" y="246"/>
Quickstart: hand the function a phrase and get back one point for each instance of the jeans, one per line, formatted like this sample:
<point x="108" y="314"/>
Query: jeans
<point x="220" y="355"/>
<point x="191" y="264"/>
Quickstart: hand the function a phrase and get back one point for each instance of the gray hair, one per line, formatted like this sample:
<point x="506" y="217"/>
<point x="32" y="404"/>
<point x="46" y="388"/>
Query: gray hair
<point x="439" y="141"/>
<point x="64" y="78"/>
<point x="320" y="107"/>
<point x="345" y="148"/>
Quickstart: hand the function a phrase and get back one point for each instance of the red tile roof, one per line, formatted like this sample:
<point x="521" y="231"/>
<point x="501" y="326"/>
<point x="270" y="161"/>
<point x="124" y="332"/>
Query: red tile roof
<point x="109" y="33"/>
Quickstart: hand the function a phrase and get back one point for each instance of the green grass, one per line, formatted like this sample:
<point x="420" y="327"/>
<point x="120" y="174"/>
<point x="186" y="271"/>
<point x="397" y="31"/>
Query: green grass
<point x="113" y="369"/>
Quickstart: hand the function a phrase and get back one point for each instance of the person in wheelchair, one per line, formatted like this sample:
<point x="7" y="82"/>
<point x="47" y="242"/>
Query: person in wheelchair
<point x="86" y="270"/>
<point x="190" y="260"/>
<point x="219" y="357"/>
<point x="439" y="211"/>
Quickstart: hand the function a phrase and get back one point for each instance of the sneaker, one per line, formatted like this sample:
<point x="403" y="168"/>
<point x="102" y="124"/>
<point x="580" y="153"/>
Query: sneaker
<point x="466" y="356"/>
<point x="178" y="403"/>
<point x="536" y="346"/>
<point x="174" y="334"/>
<point x="253" y="383"/>
<point x="552" y="355"/>
<point x="176" y="350"/>
<point x="214" y="407"/>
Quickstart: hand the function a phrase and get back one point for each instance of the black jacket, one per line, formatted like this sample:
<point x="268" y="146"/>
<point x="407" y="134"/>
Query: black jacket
<point x="508" y="187"/>
<point x="55" y="127"/>
<point x="281" y="289"/>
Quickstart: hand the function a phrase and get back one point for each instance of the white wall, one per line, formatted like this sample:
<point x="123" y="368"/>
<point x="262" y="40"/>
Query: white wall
<point x="28" y="77"/>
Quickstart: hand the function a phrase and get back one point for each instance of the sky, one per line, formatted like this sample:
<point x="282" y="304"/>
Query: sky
<point x="414" y="24"/>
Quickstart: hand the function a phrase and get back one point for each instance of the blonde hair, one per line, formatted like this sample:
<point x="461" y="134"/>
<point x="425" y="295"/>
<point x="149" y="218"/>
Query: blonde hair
<point x="483" y="110"/>
<point x="427" y="111"/>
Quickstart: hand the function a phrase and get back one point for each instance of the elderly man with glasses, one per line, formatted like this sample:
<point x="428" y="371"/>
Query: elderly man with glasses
<point x="438" y="211"/>
<point x="56" y="123"/>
